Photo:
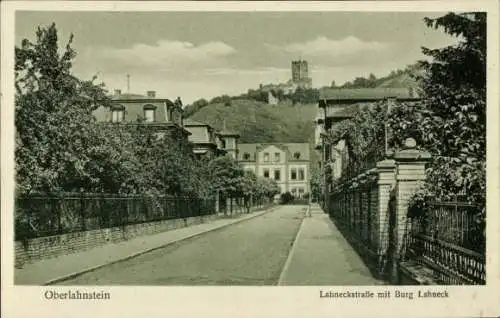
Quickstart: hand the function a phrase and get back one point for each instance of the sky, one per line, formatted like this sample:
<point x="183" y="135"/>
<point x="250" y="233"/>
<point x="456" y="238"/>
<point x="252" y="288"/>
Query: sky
<point x="205" y="54"/>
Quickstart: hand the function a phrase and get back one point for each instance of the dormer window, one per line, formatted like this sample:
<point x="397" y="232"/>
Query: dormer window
<point x="117" y="114"/>
<point x="149" y="113"/>
<point x="277" y="157"/>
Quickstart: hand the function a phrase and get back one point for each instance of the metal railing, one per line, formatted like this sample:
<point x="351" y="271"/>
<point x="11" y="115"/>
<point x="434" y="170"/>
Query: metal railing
<point x="43" y="215"/>
<point x="448" y="239"/>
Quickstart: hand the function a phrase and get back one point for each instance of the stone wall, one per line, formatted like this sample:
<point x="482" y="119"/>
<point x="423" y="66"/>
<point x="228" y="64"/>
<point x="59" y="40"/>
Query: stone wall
<point x="53" y="246"/>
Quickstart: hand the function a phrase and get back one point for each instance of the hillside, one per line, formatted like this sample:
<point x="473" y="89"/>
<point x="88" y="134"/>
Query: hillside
<point x="259" y="122"/>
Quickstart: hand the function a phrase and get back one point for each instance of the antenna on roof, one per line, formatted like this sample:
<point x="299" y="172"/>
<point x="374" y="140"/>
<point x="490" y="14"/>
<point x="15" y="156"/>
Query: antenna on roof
<point x="128" y="83"/>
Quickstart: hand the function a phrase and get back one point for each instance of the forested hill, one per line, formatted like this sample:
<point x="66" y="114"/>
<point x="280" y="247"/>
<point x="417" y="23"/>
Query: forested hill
<point x="258" y="122"/>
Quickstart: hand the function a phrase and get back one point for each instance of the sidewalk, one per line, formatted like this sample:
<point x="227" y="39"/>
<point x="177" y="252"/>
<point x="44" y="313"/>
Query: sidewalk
<point x="322" y="256"/>
<point x="52" y="270"/>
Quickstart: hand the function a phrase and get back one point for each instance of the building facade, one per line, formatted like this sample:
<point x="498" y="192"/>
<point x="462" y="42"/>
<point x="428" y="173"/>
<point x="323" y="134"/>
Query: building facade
<point x="286" y="163"/>
<point x="161" y="114"/>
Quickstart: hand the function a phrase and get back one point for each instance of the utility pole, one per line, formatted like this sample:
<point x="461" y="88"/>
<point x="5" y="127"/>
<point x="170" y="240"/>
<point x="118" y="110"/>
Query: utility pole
<point x="128" y="83"/>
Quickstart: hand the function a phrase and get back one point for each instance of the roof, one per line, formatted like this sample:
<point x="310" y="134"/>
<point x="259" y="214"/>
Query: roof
<point x="190" y="122"/>
<point x="343" y="110"/>
<point x="133" y="110"/>
<point x="137" y="98"/>
<point x="200" y="134"/>
<point x="291" y="148"/>
<point x="366" y="94"/>
<point x="228" y="133"/>
<point x="128" y="96"/>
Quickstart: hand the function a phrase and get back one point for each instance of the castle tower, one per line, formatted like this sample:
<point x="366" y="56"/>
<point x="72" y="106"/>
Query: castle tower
<point x="299" y="70"/>
<point x="300" y="74"/>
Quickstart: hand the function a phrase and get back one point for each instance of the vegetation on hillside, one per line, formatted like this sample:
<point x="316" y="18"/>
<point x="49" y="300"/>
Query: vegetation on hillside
<point x="397" y="78"/>
<point x="259" y="122"/>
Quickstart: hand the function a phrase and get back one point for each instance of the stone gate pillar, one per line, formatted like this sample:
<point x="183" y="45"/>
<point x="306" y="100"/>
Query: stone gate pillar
<point x="386" y="171"/>
<point x="410" y="174"/>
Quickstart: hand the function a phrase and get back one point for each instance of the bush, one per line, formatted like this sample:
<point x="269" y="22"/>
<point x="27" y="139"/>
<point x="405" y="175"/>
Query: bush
<point x="286" y="198"/>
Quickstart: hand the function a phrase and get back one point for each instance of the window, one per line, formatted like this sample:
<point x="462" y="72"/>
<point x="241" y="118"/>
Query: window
<point x="230" y="143"/>
<point x="293" y="174"/>
<point x="246" y="156"/>
<point x="277" y="157"/>
<point x="277" y="174"/>
<point x="266" y="173"/>
<point x="117" y="115"/>
<point x="301" y="192"/>
<point x="296" y="155"/>
<point x="266" y="156"/>
<point x="149" y="115"/>
<point x="301" y="174"/>
<point x="294" y="191"/>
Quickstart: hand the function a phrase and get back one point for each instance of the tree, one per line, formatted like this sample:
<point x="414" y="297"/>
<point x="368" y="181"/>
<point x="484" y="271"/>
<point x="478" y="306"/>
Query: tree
<point x="227" y="177"/>
<point x="196" y="106"/>
<point x="317" y="182"/>
<point x="55" y="128"/>
<point x="454" y="93"/>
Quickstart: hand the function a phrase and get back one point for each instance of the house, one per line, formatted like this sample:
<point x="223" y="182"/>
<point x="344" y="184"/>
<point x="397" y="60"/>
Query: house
<point x="286" y="163"/>
<point x="204" y="138"/>
<point x="162" y="115"/>
<point x="338" y="104"/>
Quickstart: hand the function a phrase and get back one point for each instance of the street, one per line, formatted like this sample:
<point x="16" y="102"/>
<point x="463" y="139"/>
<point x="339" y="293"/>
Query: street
<point x="248" y="253"/>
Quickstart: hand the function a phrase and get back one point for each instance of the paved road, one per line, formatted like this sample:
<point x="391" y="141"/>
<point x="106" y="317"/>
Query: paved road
<point x="252" y="252"/>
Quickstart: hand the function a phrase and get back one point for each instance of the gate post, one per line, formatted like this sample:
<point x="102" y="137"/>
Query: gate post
<point x="410" y="164"/>
<point x="386" y="171"/>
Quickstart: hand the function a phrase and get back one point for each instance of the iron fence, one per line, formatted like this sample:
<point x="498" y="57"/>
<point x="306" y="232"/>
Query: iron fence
<point x="43" y="215"/>
<point x="352" y="167"/>
<point x="449" y="238"/>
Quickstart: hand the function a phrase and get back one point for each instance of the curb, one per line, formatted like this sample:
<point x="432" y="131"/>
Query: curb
<point x="284" y="271"/>
<point x="81" y="272"/>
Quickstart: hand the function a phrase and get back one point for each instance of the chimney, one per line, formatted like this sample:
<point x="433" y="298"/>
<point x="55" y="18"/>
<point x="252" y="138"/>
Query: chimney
<point x="151" y="94"/>
<point x="118" y="91"/>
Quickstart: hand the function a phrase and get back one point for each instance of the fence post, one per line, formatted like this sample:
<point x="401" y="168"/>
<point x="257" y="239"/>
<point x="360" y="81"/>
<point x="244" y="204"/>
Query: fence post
<point x="410" y="164"/>
<point x="386" y="171"/>
<point x="217" y="198"/>
<point x="82" y="209"/>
